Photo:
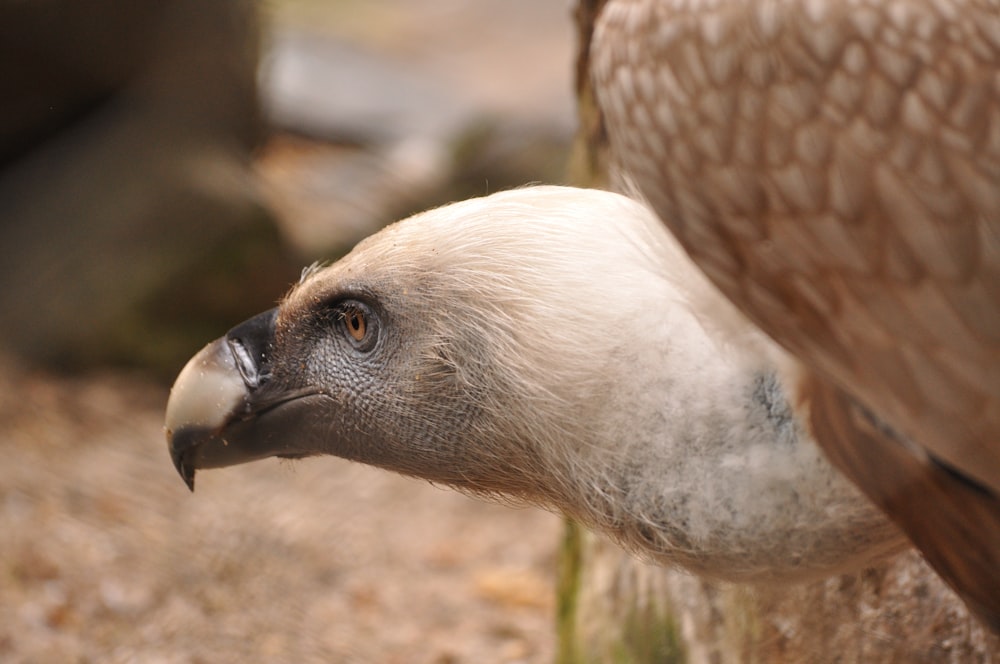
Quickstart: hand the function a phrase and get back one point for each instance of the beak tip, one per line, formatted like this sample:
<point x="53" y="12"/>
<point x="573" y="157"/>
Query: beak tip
<point x="187" y="474"/>
<point x="181" y="462"/>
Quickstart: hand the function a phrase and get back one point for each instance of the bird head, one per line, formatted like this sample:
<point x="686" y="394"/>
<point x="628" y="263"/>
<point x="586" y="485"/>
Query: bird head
<point x="471" y="345"/>
<point x="544" y="346"/>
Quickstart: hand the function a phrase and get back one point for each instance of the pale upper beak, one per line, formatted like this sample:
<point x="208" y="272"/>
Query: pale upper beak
<point x="224" y="409"/>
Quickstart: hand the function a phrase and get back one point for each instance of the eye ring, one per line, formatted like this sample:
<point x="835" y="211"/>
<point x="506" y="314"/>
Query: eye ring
<point x="358" y="324"/>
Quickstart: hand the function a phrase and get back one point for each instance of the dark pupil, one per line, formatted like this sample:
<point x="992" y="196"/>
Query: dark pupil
<point x="355" y="321"/>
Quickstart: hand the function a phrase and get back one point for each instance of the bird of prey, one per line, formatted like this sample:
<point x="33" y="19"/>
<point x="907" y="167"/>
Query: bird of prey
<point x="833" y="167"/>
<point x="548" y="345"/>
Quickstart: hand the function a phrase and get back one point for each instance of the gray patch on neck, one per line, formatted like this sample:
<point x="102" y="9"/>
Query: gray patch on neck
<point x="768" y="397"/>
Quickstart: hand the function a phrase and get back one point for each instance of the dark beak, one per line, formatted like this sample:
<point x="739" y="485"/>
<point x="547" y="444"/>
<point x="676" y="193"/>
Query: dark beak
<point x="224" y="409"/>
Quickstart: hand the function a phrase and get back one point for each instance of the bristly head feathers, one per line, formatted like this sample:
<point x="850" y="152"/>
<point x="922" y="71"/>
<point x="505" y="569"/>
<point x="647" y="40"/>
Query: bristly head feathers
<point x="530" y="296"/>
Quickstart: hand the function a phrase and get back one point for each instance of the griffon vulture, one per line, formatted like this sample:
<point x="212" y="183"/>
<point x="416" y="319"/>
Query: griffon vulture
<point x="832" y="166"/>
<point x="550" y="345"/>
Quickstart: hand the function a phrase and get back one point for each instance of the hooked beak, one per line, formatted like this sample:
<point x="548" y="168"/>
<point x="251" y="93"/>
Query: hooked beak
<point x="224" y="409"/>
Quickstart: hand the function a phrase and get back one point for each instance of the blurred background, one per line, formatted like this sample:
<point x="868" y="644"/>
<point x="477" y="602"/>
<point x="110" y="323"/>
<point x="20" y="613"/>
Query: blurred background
<point x="166" y="169"/>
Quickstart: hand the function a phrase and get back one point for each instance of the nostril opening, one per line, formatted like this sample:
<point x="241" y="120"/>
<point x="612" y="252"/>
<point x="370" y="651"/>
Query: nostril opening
<point x="249" y="343"/>
<point x="247" y="364"/>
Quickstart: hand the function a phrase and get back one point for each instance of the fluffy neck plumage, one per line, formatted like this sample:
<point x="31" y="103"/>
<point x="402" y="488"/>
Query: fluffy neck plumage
<point x="674" y="434"/>
<point x="567" y="359"/>
<point x="703" y="463"/>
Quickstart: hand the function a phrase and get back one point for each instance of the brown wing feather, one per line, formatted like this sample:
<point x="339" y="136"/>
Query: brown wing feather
<point x="923" y="497"/>
<point x="835" y="170"/>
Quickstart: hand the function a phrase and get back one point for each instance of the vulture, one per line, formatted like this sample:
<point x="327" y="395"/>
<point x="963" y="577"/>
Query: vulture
<point x="546" y="345"/>
<point x="829" y="291"/>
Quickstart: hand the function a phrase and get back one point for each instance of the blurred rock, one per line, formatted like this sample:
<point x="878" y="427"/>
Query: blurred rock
<point x="500" y="58"/>
<point x="328" y="88"/>
<point x="370" y="134"/>
<point x="133" y="224"/>
<point x="328" y="197"/>
<point x="126" y="154"/>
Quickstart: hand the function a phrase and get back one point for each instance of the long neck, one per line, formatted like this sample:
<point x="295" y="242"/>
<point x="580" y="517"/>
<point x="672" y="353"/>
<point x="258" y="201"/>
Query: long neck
<point x="709" y="467"/>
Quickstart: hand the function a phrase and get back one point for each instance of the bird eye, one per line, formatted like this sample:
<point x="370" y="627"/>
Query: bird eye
<point x="356" y="324"/>
<point x="357" y="321"/>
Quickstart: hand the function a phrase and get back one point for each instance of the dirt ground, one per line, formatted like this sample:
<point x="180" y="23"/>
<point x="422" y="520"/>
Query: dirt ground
<point x="106" y="557"/>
